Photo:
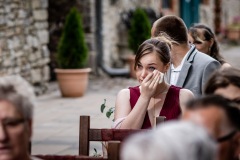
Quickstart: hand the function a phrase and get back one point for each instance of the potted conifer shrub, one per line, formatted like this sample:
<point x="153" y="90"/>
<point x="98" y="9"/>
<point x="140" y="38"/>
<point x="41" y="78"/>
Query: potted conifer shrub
<point x="72" y="57"/>
<point x="139" y="31"/>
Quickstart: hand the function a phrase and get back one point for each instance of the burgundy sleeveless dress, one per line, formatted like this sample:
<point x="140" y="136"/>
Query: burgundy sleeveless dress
<point x="171" y="107"/>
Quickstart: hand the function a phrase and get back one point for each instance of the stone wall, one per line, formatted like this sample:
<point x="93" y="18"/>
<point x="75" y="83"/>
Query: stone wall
<point x="23" y="38"/>
<point x="229" y="10"/>
<point x="115" y="40"/>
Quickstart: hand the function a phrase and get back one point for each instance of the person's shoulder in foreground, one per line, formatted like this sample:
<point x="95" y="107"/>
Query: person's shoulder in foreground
<point x="171" y="141"/>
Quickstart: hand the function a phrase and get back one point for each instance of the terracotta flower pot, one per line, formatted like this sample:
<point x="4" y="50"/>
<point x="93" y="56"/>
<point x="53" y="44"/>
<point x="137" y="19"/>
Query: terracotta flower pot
<point x="234" y="34"/>
<point x="72" y="82"/>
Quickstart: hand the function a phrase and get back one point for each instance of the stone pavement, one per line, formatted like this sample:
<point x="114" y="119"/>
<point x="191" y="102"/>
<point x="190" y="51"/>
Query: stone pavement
<point x="56" y="121"/>
<point x="231" y="54"/>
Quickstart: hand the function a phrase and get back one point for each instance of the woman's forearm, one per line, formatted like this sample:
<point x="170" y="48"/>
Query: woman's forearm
<point x="136" y="117"/>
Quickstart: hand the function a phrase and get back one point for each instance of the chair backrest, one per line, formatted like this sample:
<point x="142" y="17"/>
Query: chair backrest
<point x="112" y="136"/>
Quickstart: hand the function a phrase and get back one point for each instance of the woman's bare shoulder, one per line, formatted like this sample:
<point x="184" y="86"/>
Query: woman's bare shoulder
<point x="225" y="65"/>
<point x="186" y="93"/>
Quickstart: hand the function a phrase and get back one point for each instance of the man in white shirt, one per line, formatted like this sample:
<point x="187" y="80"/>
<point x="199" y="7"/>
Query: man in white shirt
<point x="190" y="68"/>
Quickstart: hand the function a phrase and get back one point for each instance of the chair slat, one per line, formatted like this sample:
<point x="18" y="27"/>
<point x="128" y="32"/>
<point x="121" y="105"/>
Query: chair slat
<point x="111" y="134"/>
<point x="84" y="135"/>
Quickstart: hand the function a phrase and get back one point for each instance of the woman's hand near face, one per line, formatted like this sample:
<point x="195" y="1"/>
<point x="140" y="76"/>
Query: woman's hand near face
<point x="149" y="84"/>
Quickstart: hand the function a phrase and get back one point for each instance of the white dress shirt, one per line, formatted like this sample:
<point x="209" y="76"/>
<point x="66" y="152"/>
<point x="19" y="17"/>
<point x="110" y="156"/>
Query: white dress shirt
<point x="176" y="71"/>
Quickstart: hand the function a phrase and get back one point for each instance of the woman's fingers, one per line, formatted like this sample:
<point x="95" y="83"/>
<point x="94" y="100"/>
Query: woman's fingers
<point x="148" y="78"/>
<point x="150" y="83"/>
<point x="155" y="80"/>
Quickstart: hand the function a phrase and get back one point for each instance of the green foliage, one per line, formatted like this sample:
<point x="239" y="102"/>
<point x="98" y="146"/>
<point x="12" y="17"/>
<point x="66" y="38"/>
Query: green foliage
<point x="110" y="110"/>
<point x="72" y="48"/>
<point x="103" y="106"/>
<point x="96" y="154"/>
<point x="140" y="29"/>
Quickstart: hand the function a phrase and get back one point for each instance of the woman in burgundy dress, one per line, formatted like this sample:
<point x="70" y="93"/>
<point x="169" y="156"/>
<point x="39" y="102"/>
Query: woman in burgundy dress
<point x="137" y="107"/>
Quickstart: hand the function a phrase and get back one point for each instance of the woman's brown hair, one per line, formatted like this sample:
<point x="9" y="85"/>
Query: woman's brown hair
<point x="161" y="45"/>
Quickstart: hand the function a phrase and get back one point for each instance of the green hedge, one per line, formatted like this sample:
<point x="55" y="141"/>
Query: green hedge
<point x="140" y="29"/>
<point x="72" y="48"/>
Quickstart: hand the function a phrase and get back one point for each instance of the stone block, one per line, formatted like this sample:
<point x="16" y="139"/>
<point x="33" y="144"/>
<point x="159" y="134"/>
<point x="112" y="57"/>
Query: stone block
<point x="45" y="51"/>
<point x="7" y="8"/>
<point x="10" y="71"/>
<point x="26" y="48"/>
<point x="7" y="63"/>
<point x="39" y="4"/>
<point x="2" y="10"/>
<point x="38" y="54"/>
<point x="36" y="76"/>
<point x="41" y="25"/>
<point x="24" y="61"/>
<point x="29" y="40"/>
<point x="2" y="34"/>
<point x="10" y="44"/>
<point x="32" y="57"/>
<point x="13" y="6"/>
<point x="32" y="41"/>
<point x="40" y="15"/>
<point x="19" y="22"/>
<point x="46" y="60"/>
<point x="27" y="67"/>
<point x="19" y="62"/>
<point x="16" y="42"/>
<point x="40" y="63"/>
<point x="10" y="23"/>
<point x="22" y="13"/>
<point x="34" y="65"/>
<point x="43" y="36"/>
<point x="46" y="73"/>
<point x="17" y="70"/>
<point x="36" y="4"/>
<point x="18" y="30"/>
<point x="2" y="21"/>
<point x="19" y="53"/>
<point x="3" y="44"/>
<point x="9" y="32"/>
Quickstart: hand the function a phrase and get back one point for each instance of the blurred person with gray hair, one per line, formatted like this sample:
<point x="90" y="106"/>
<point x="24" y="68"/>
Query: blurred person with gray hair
<point x="176" y="140"/>
<point x="16" y="116"/>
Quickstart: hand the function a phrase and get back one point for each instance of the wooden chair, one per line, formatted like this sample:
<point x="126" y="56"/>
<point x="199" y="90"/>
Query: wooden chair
<point x="112" y="136"/>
